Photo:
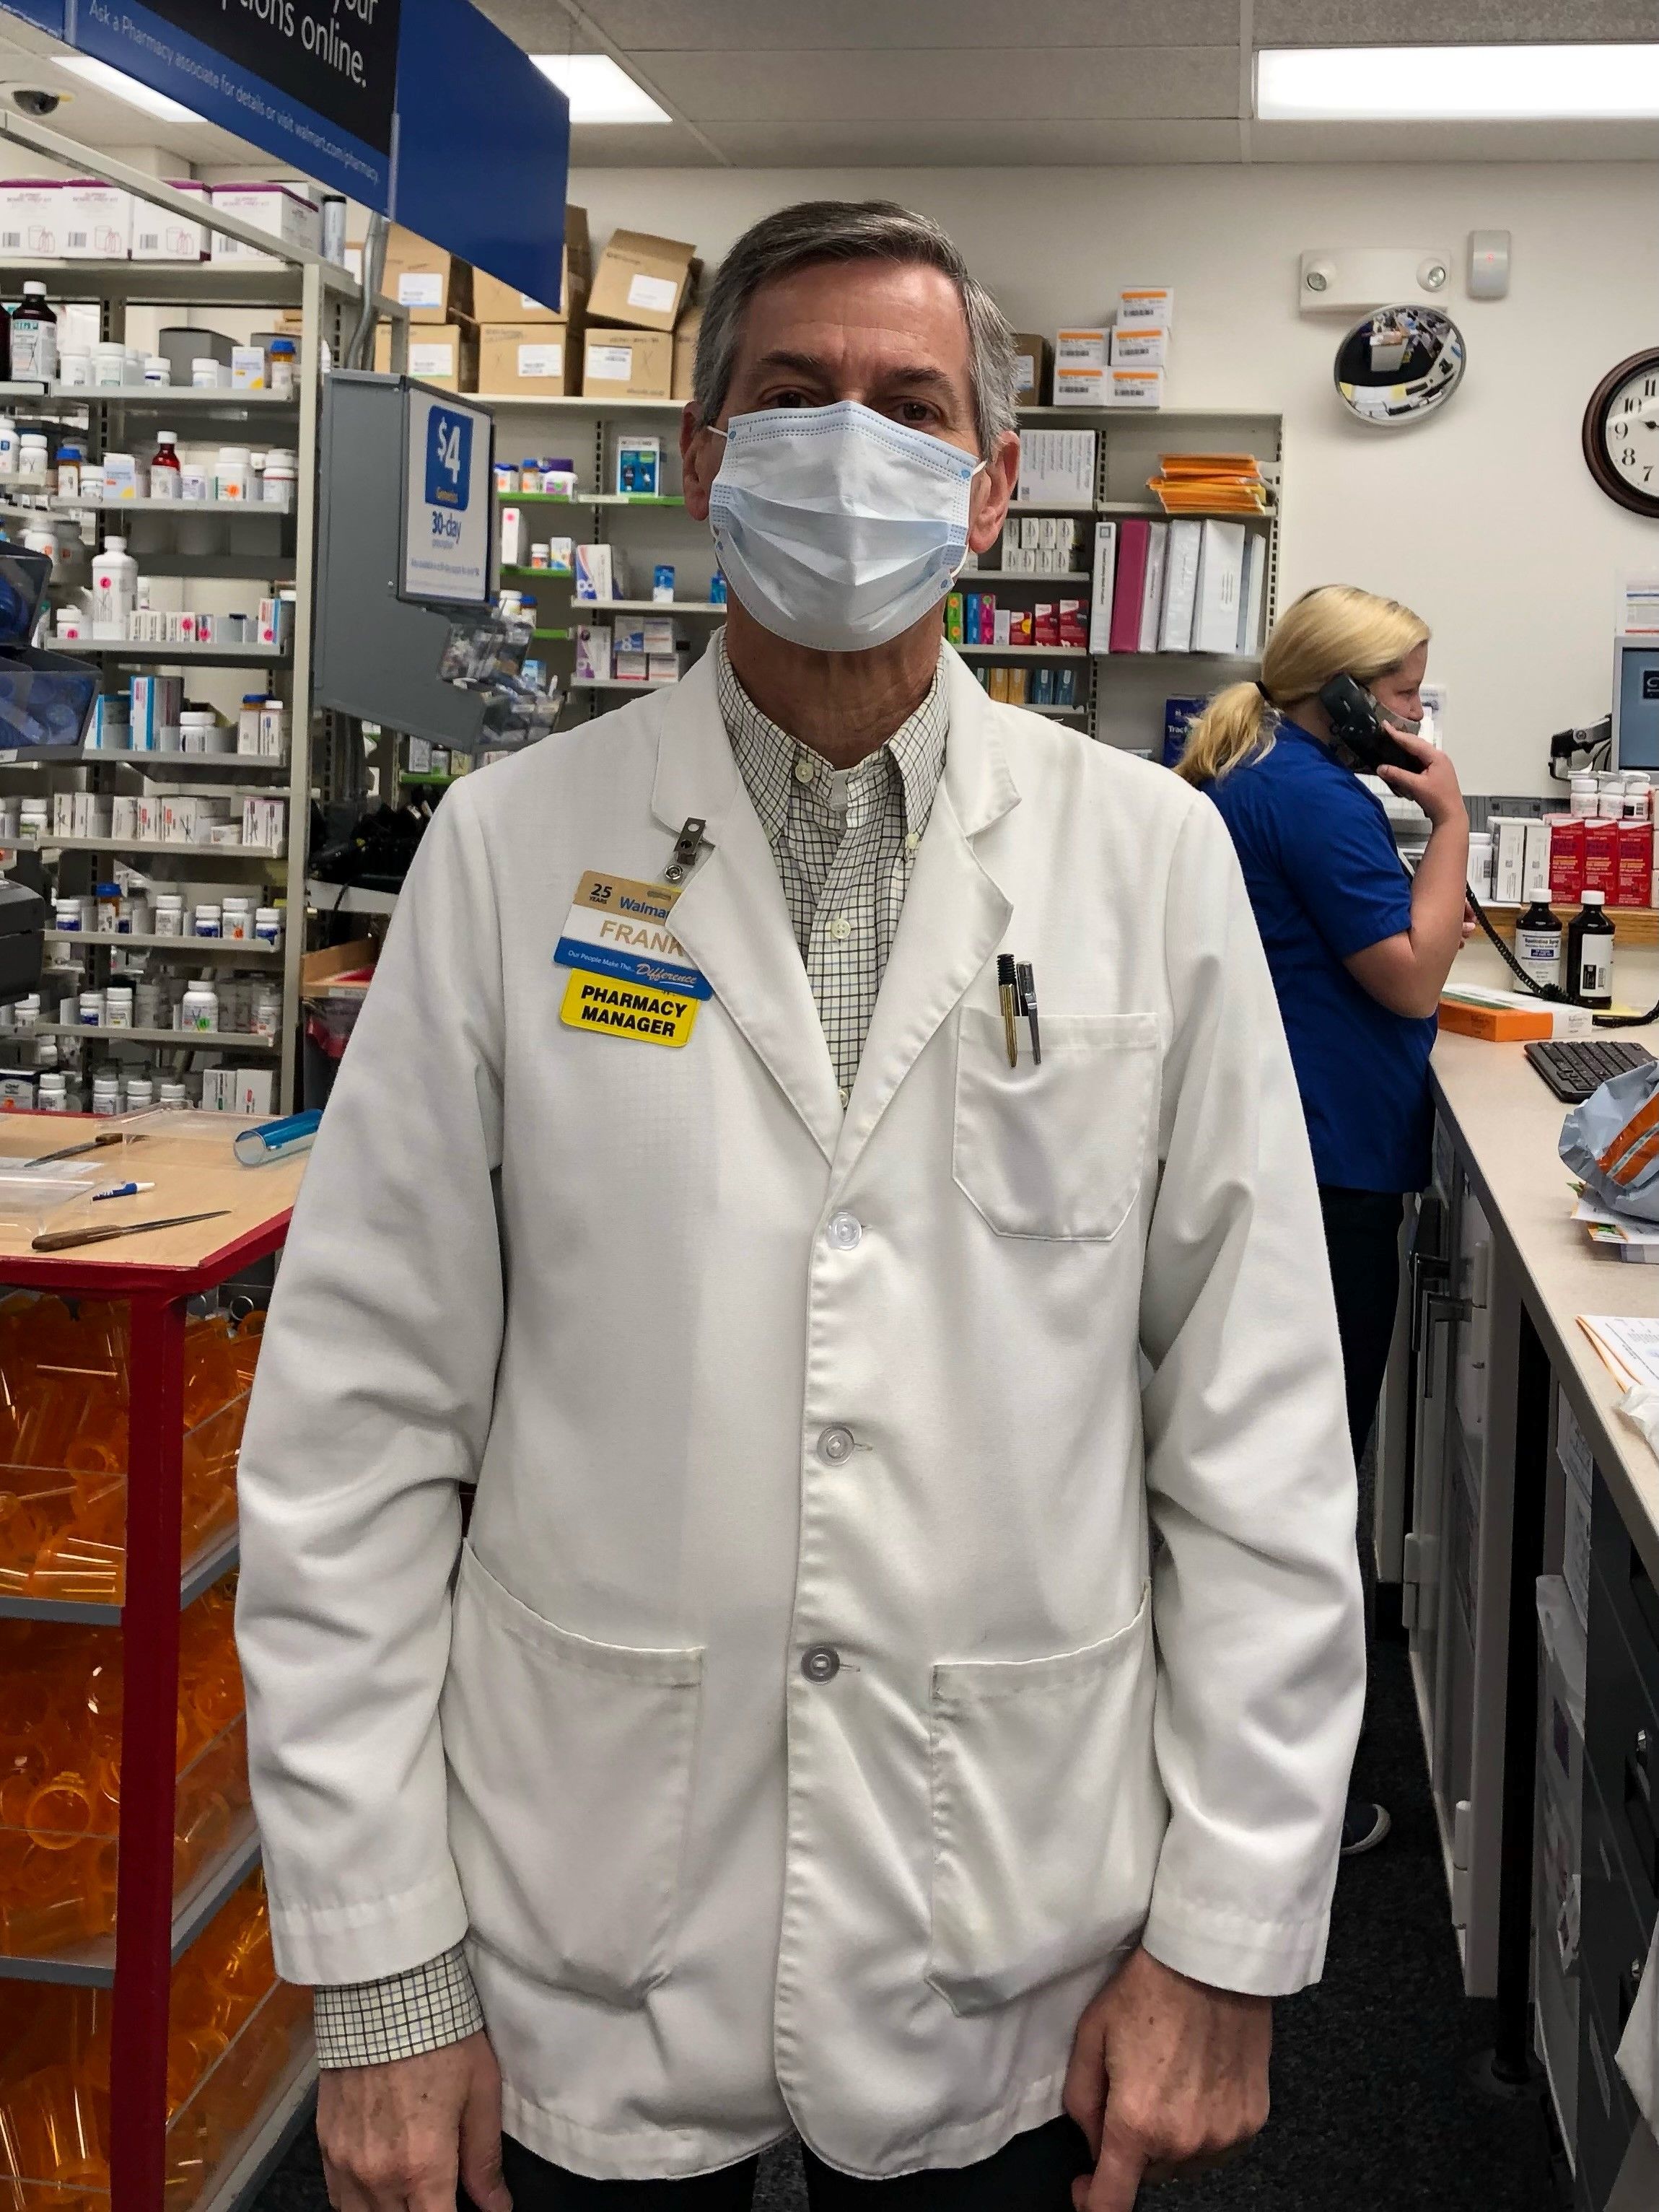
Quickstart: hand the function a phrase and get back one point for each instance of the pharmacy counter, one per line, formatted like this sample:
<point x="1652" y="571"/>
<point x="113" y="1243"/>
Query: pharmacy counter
<point x="1501" y="1458"/>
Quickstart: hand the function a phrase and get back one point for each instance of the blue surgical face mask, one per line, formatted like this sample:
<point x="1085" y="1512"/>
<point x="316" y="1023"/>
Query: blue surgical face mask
<point x="836" y="528"/>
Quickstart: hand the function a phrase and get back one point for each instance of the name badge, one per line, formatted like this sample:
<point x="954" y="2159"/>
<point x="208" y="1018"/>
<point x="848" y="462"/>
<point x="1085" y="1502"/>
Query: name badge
<point x="631" y="975"/>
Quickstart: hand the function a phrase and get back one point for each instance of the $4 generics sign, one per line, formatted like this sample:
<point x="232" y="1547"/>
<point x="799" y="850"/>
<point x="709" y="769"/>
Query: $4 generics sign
<point x="446" y="500"/>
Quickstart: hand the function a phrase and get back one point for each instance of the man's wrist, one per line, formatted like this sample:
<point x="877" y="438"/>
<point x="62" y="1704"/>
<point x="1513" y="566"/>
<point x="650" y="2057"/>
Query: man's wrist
<point x="400" y="2016"/>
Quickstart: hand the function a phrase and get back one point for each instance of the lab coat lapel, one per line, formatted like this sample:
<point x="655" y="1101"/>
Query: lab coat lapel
<point x="954" y="916"/>
<point x="732" y="917"/>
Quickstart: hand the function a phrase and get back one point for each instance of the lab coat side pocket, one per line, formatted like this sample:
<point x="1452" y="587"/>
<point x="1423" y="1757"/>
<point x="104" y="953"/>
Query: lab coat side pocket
<point x="1047" y="1816"/>
<point x="1060" y="1149"/>
<point x="570" y="1782"/>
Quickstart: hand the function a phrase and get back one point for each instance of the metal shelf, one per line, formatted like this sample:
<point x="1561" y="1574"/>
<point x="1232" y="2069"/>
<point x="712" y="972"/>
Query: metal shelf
<point x="1081" y="709"/>
<point x="972" y="576"/>
<point x="169" y="763"/>
<point x="567" y="403"/>
<point x="1030" y="652"/>
<point x="53" y="844"/>
<point x="189" y="1040"/>
<point x="1051" y="506"/>
<point x="59" y="503"/>
<point x="653" y="606"/>
<point x="1245" y="660"/>
<point x="622" y="684"/>
<point x="266" y="2142"/>
<point x="227" y="656"/>
<point x="237" y="948"/>
<point x="593" y="499"/>
<point x="207" y="1568"/>
<point x="1169" y="417"/>
<point x="179" y="283"/>
<point x="92" y="1966"/>
<point x="153" y="398"/>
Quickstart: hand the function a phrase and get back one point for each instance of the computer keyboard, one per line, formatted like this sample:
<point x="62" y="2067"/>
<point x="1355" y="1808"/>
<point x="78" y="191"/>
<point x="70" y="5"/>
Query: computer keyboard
<point x="1573" y="1070"/>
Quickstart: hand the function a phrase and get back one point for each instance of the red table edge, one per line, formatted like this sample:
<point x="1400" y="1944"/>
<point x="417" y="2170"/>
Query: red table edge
<point x="66" y="1271"/>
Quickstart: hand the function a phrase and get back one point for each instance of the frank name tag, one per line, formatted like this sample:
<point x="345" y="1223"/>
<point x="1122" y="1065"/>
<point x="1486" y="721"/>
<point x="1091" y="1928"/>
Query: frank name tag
<point x="618" y="927"/>
<point x="595" y="1002"/>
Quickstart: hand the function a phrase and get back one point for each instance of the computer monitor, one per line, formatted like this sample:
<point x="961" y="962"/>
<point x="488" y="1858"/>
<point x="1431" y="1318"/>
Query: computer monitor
<point x="1636" y="700"/>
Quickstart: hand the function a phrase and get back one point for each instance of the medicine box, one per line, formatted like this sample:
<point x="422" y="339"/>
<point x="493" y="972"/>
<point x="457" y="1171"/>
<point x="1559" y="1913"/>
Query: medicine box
<point x="629" y="667"/>
<point x="659" y="634"/>
<point x="515" y="538"/>
<point x="593" y="653"/>
<point x="1141" y="347"/>
<point x="1081" y="367"/>
<point x="1535" y="864"/>
<point x="1135" y="388"/>
<point x="1634" y="875"/>
<point x="1510" y="859"/>
<point x="627" y="637"/>
<point x="1152" y="304"/>
<point x="32" y="217"/>
<point x="96" y="220"/>
<point x="160" y="234"/>
<point x="593" y="572"/>
<point x="289" y="217"/>
<point x="663" y="668"/>
<point x="639" y="467"/>
<point x="1600" y="858"/>
<point x="1566" y="857"/>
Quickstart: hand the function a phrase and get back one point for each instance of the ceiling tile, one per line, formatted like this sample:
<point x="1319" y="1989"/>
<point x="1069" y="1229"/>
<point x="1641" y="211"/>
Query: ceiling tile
<point x="904" y="85"/>
<point x="638" y="146"/>
<point x="1431" y="22"/>
<point x="736" y="25"/>
<point x="909" y="144"/>
<point x="1391" y="143"/>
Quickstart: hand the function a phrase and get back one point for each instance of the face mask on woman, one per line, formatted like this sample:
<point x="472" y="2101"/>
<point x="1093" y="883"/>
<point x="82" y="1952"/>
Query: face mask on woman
<point x="836" y="528"/>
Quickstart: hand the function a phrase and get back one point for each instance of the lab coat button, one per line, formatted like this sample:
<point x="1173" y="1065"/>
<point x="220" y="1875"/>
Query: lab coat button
<point x="844" y="1231"/>
<point x="822" y="1663"/>
<point x="836" y="1446"/>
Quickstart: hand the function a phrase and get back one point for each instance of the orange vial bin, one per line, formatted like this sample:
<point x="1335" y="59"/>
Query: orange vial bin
<point x="60" y="1769"/>
<point x="63" y="1397"/>
<point x="235" y="2031"/>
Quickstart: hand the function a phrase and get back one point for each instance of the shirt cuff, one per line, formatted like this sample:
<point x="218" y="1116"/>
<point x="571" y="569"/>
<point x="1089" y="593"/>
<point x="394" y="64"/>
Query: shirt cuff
<point x="372" y="2023"/>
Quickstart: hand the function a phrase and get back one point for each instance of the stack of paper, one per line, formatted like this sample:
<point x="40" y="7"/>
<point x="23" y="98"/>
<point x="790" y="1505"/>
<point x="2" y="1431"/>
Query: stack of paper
<point x="1210" y="483"/>
<point x="1629" y="1344"/>
<point x="1617" y="1236"/>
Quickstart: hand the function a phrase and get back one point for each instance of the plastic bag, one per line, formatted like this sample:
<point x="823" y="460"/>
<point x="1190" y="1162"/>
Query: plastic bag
<point x="1611" y="1142"/>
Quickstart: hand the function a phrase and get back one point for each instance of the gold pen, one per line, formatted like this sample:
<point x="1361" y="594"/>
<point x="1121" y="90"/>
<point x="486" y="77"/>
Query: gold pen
<point x="1008" y="992"/>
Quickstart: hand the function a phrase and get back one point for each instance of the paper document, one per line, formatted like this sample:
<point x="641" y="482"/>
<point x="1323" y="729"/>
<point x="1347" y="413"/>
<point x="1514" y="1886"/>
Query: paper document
<point x="1629" y="1344"/>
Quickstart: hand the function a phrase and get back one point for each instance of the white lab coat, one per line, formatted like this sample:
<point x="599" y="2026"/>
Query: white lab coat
<point x="741" y="1378"/>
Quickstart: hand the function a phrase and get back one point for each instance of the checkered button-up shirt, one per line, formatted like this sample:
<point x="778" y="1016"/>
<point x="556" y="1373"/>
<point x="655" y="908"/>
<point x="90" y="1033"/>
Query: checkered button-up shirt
<point x="845" y="841"/>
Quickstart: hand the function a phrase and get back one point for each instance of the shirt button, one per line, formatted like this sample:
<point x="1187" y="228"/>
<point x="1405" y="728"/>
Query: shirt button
<point x="821" y="1662"/>
<point x="845" y="1094"/>
<point x="836" y="1447"/>
<point x="841" y="927"/>
<point x="912" y="840"/>
<point x="844" y="1231"/>
<point x="803" y="769"/>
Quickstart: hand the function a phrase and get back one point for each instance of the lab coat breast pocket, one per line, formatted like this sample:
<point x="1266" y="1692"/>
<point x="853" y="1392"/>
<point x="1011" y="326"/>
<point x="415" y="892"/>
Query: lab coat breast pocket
<point x="1057" y="1149"/>
<point x="570" y="1782"/>
<point x="1047" y="1815"/>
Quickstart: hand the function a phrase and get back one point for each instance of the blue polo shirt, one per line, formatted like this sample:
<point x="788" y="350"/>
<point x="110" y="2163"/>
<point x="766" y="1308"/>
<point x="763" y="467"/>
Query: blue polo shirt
<point x="1325" y="881"/>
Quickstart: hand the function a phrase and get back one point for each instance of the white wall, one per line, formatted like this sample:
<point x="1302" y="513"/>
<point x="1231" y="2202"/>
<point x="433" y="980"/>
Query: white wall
<point x="1485" y="519"/>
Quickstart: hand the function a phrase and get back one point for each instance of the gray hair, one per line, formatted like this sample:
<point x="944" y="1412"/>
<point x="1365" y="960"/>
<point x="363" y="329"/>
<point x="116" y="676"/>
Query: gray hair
<point x="853" y="230"/>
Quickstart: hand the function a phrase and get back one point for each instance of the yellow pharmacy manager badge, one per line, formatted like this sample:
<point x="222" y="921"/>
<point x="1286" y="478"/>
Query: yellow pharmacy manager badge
<point x="631" y="975"/>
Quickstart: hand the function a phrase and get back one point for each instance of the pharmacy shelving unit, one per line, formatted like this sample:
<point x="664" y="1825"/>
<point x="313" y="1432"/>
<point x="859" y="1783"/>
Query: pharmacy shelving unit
<point x="644" y="531"/>
<point x="157" y="1276"/>
<point x="266" y="545"/>
<point x="1124" y="704"/>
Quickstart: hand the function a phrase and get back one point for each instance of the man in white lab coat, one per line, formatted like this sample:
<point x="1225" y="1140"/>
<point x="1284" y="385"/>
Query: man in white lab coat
<point x="820" y="1154"/>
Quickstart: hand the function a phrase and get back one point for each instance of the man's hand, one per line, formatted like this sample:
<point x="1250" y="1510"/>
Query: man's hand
<point x="1165" y="2074"/>
<point x="401" y="2134"/>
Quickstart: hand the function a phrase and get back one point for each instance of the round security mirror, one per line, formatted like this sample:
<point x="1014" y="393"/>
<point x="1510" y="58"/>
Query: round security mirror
<point x="1399" y="365"/>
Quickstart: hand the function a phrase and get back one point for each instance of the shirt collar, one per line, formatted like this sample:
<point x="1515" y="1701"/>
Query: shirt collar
<point x="767" y="757"/>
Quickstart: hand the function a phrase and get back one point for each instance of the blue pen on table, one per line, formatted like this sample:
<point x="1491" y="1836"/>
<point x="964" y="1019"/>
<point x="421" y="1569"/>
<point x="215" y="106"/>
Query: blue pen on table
<point x="122" y="1190"/>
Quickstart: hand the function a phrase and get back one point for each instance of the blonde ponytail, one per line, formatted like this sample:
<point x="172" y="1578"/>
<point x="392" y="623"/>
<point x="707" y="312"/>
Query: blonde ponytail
<point x="1335" y="629"/>
<point x="1236" y="725"/>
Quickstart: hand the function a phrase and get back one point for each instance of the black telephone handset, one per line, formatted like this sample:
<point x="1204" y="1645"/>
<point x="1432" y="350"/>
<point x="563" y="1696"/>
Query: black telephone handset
<point x="1357" y="723"/>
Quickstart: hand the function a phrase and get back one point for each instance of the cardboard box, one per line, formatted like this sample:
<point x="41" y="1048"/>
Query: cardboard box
<point x="32" y="216"/>
<point x="1634" y="876"/>
<point x="1601" y="857"/>
<point x="1566" y="858"/>
<point x="495" y="301"/>
<point x="1081" y="367"/>
<point x="1135" y="388"/>
<point x="433" y="284"/>
<point x="643" y="282"/>
<point x="444" y="354"/>
<point x="1034" y="362"/>
<point x="289" y="217"/>
<point x="682" y="375"/>
<point x="1146" y="304"/>
<point x="1509" y="1017"/>
<point x="97" y="221"/>
<point x="528" y="357"/>
<point x="627" y="364"/>
<point x="158" y="234"/>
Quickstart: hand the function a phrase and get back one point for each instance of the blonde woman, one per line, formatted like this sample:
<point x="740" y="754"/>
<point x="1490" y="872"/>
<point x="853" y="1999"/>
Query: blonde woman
<point x="1358" y="950"/>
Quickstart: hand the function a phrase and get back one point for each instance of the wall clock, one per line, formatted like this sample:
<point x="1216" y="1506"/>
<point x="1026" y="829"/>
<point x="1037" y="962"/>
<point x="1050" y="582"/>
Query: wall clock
<point x="1621" y="433"/>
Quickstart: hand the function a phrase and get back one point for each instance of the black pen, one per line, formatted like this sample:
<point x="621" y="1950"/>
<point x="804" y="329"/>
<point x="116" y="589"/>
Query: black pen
<point x="1008" y="992"/>
<point x="1028" y="1007"/>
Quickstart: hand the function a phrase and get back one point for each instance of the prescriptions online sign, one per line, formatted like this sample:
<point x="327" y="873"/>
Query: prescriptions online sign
<point x="317" y="77"/>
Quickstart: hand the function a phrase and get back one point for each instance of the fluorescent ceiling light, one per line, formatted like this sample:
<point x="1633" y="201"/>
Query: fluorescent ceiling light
<point x="1409" y="84"/>
<point x="103" y="78"/>
<point x="598" y="90"/>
